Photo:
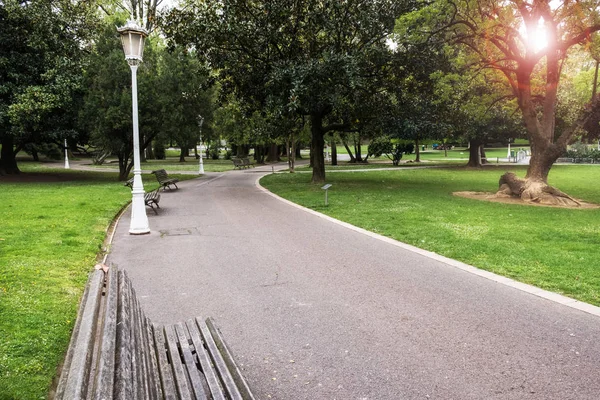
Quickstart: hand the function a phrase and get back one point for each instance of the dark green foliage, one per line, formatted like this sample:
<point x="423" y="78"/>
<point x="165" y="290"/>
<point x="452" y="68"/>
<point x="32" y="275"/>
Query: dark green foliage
<point x="40" y="72"/>
<point x="384" y="146"/>
<point x="159" y="150"/>
<point x="301" y="58"/>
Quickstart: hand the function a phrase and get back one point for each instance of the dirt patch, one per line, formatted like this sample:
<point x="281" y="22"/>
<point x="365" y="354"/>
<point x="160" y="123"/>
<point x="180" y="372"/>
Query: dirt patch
<point x="486" y="196"/>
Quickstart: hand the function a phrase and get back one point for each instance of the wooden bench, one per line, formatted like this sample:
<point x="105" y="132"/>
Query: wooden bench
<point x="246" y="162"/>
<point x="151" y="199"/>
<point x="239" y="163"/>
<point x="117" y="352"/>
<point x="163" y="179"/>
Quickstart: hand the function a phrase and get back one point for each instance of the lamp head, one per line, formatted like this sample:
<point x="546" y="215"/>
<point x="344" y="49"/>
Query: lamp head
<point x="132" y="38"/>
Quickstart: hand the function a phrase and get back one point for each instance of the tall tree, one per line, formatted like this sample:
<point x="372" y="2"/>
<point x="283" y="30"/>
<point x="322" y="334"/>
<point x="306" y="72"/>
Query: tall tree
<point x="527" y="42"/>
<point x="41" y="53"/>
<point x="303" y="56"/>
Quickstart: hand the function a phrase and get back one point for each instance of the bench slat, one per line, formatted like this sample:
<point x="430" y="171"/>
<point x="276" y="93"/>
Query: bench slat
<point x="154" y="381"/>
<point x="205" y="362"/>
<point x="190" y="362"/>
<point x="123" y="385"/>
<point x="232" y="367"/>
<point x="139" y="366"/>
<point x="106" y="363"/>
<point x="166" y="374"/>
<point x="181" y="380"/>
<point x="76" y="381"/>
<point x="218" y="362"/>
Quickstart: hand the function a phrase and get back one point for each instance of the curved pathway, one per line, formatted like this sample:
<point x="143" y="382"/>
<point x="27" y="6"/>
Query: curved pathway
<point x="314" y="310"/>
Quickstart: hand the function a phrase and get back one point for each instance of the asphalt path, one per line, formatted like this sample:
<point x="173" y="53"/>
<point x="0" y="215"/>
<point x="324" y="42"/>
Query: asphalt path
<point x="314" y="310"/>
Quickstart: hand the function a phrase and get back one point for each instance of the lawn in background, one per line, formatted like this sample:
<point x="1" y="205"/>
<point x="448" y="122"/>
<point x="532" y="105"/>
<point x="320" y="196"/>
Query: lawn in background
<point x="553" y="248"/>
<point x="51" y="230"/>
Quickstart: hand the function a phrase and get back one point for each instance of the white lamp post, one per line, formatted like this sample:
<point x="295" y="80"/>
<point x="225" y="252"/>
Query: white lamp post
<point x="66" y="156"/>
<point x="132" y="38"/>
<point x="201" y="166"/>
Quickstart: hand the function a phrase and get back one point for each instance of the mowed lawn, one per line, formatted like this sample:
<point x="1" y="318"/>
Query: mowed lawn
<point x="553" y="248"/>
<point x="52" y="226"/>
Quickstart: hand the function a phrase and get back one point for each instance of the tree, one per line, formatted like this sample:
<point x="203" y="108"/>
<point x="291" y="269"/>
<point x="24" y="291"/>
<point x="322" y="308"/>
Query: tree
<point x="106" y="111"/>
<point x="41" y="56"/>
<point x="303" y="57"/>
<point x="185" y="93"/>
<point x="527" y="43"/>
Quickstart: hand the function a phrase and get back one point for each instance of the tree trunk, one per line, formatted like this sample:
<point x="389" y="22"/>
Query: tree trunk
<point x="182" y="155"/>
<point x="273" y="155"/>
<point x="417" y="150"/>
<point x="316" y="148"/>
<point x="8" y="158"/>
<point x="358" y="149"/>
<point x="345" y="143"/>
<point x="333" y="152"/>
<point x="533" y="190"/>
<point x="474" y="153"/>
<point x="483" y="157"/>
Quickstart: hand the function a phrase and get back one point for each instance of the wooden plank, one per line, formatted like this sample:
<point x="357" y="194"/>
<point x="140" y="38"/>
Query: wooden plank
<point x="140" y="359"/>
<point x="205" y="362"/>
<point x="219" y="363"/>
<point x="104" y="380"/>
<point x="238" y="378"/>
<point x="123" y="372"/>
<point x="166" y="373"/>
<point x="154" y="378"/>
<point x="181" y="380"/>
<point x="81" y="344"/>
<point x="196" y="380"/>
<point x="77" y="382"/>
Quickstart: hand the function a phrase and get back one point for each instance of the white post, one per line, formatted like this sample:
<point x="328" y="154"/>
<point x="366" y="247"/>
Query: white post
<point x="66" y="156"/>
<point x="508" y="153"/>
<point x="201" y="166"/>
<point x="139" y="219"/>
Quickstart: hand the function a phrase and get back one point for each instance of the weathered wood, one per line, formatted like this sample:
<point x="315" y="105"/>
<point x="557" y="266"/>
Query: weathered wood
<point x="123" y="385"/>
<point x="181" y="380"/>
<point x="238" y="378"/>
<point x="166" y="373"/>
<point x="190" y="362"/>
<point x="218" y="362"/>
<point x="152" y="199"/>
<point x="74" y="384"/>
<point x="154" y="376"/>
<point x="116" y="352"/>
<point x="106" y="364"/>
<point x="139" y="366"/>
<point x="205" y="362"/>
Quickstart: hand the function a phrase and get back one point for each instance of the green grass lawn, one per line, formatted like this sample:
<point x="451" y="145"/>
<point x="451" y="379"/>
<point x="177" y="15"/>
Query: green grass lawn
<point x="556" y="249"/>
<point x="52" y="228"/>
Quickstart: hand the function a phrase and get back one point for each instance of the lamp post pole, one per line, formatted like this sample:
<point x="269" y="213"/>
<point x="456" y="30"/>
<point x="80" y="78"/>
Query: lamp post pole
<point x="133" y="44"/>
<point x="201" y="163"/>
<point x="66" y="156"/>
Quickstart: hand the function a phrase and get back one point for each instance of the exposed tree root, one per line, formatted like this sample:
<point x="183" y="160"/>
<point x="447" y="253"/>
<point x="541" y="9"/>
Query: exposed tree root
<point x="531" y="190"/>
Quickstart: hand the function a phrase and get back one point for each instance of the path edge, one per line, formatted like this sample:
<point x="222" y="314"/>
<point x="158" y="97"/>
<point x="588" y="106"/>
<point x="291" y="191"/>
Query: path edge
<point x="524" y="287"/>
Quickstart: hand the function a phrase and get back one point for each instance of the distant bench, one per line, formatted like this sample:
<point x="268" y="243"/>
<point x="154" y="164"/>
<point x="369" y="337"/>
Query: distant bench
<point x="163" y="179"/>
<point x="151" y="198"/>
<point x="117" y="352"/>
<point x="239" y="163"/>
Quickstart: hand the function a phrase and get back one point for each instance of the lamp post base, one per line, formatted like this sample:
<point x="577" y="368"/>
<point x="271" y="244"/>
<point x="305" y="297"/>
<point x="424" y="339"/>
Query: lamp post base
<point x="139" y="220"/>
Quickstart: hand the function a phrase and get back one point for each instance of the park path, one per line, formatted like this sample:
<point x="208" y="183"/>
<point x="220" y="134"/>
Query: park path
<point x="314" y="310"/>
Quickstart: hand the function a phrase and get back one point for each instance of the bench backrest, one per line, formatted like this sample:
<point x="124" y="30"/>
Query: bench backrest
<point x="161" y="175"/>
<point x="116" y="351"/>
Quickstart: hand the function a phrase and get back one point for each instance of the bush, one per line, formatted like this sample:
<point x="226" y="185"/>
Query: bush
<point x="214" y="153"/>
<point x="228" y="155"/>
